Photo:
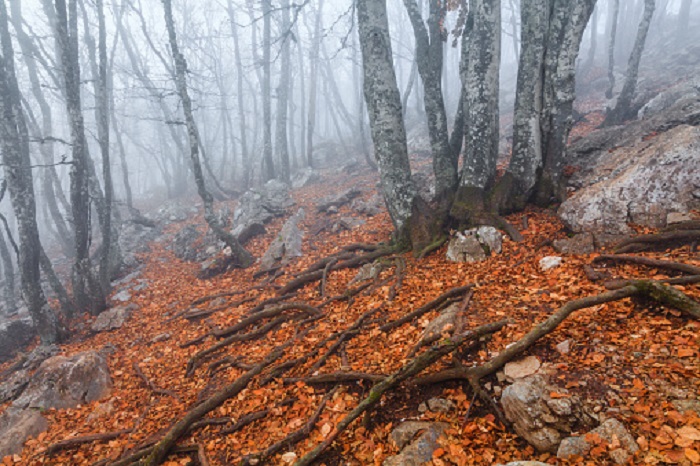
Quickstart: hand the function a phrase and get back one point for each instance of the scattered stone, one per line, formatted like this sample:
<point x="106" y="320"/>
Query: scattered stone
<point x="443" y="324"/>
<point x="305" y="177"/>
<point x="64" y="382"/>
<point x="580" y="244"/>
<point x="347" y="223"/>
<point x="564" y="347"/>
<point x="367" y="272"/>
<point x="286" y="245"/>
<point x="112" y="319"/>
<point x="491" y="238"/>
<point x="419" y="451"/>
<point x="260" y="205"/>
<point x="550" y="262"/>
<point x="371" y="207"/>
<point x="522" y="368"/>
<point x="687" y="405"/>
<point x="122" y="296"/>
<point x="537" y="417"/>
<point x="337" y="200"/>
<point x="289" y="457"/>
<point x="16" y="426"/>
<point x="161" y="337"/>
<point x="102" y="410"/>
<point x="14" y="336"/>
<point x="678" y="217"/>
<point x="441" y="405"/>
<point x="465" y="248"/>
<point x="612" y="431"/>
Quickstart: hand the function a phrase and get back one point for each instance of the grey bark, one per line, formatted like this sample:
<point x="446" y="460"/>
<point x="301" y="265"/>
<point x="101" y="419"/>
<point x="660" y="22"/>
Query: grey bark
<point x="624" y="109"/>
<point x="613" y="14"/>
<point x="313" y="80"/>
<point x="14" y="141"/>
<point x="8" y="271"/>
<point x="281" y="144"/>
<point x="240" y="256"/>
<point x="266" y="97"/>
<point x="429" y="59"/>
<point x="384" y="106"/>
<point x="684" y="19"/>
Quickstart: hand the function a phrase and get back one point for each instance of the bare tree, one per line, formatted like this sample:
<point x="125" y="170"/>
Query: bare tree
<point x="281" y="145"/>
<point x="612" y="18"/>
<point x="313" y="79"/>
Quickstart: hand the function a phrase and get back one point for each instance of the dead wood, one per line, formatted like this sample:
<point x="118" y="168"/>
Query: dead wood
<point x="196" y="313"/>
<point x="226" y="362"/>
<point x="77" y="441"/>
<point x="291" y="439"/>
<point x="262" y="313"/>
<point x="594" y="275"/>
<point x="621" y="282"/>
<point x="357" y="261"/>
<point x="133" y="459"/>
<point x="152" y="386"/>
<point x="659" y="240"/>
<point x="324" y="277"/>
<point x="453" y="293"/>
<point x="362" y="247"/>
<point x="245" y="420"/>
<point x="274" y="300"/>
<point x="659" y="264"/>
<point x="347" y="295"/>
<point x="336" y="377"/>
<point x="408" y="370"/>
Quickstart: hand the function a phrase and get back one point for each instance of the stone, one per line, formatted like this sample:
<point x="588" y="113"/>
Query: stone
<point x="112" y="319"/>
<point x="678" y="217"/>
<point x="14" y="336"/>
<point x="550" y="262"/>
<point x="667" y="98"/>
<point x="16" y="426"/>
<point x="370" y="207"/>
<point x="305" y="177"/>
<point x="537" y="417"/>
<point x="443" y="324"/>
<point x="161" y="337"/>
<point x="638" y="184"/>
<point x="564" y="347"/>
<point x="347" y="223"/>
<point x="684" y="406"/>
<point x="260" y="205"/>
<point x="612" y="431"/>
<point x="465" y="248"/>
<point x="102" y="410"/>
<point x="525" y="463"/>
<point x="337" y="200"/>
<point x="415" y="451"/>
<point x="65" y="382"/>
<point x="190" y="245"/>
<point x="441" y="405"/>
<point x="579" y="244"/>
<point x="122" y="296"/>
<point x="11" y="387"/>
<point x="367" y="272"/>
<point x="491" y="238"/>
<point x="286" y="245"/>
<point x="522" y="367"/>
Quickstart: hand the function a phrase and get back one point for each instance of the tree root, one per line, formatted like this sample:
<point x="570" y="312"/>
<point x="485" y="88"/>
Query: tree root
<point x="660" y="240"/>
<point x="408" y="370"/>
<point x="78" y="441"/>
<point x="621" y="283"/>
<point x="335" y="377"/>
<point x="291" y="439"/>
<point x="453" y="293"/>
<point x="264" y="314"/>
<point x="437" y="244"/>
<point x="152" y="386"/>
<point x="400" y="273"/>
<point x="659" y="264"/>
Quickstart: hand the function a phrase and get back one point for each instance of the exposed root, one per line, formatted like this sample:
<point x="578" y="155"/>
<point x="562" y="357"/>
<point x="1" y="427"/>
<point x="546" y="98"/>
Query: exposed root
<point x="437" y="244"/>
<point x="336" y="377"/>
<point x="78" y="441"/>
<point x="152" y="386"/>
<point x="657" y="241"/>
<point x="451" y="294"/>
<point x="659" y="264"/>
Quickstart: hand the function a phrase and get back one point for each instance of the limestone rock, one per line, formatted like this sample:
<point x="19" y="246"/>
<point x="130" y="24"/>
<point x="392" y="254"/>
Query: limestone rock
<point x="370" y="207"/>
<point x="112" y="319"/>
<point x="612" y="431"/>
<point x="419" y="451"/>
<point x="564" y="347"/>
<point x="260" y="205"/>
<point x="445" y="323"/>
<point x="465" y="248"/>
<point x="64" y="382"/>
<point x="578" y="244"/>
<point x="16" y="426"/>
<point x="14" y="336"/>
<point x="305" y="177"/>
<point x="677" y="217"/>
<point x="12" y="386"/>
<point x="437" y="405"/>
<point x="640" y="184"/>
<point x="550" y="262"/>
<point x="286" y="245"/>
<point x="522" y="368"/>
<point x="667" y="98"/>
<point x="489" y="237"/>
<point x="337" y="200"/>
<point x="347" y="223"/>
<point x="537" y="417"/>
<point x="367" y="272"/>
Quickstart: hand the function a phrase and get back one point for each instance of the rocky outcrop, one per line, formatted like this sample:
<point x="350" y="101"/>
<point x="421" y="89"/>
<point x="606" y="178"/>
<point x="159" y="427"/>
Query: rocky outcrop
<point x="611" y="431"/>
<point x="16" y="426"/>
<point x="474" y="245"/>
<point x="64" y="382"/>
<point x="639" y="184"/>
<point x="112" y="319"/>
<point x="332" y="202"/>
<point x="305" y="177"/>
<point x="578" y="244"/>
<point x="260" y="205"/>
<point x="444" y="324"/>
<point x="417" y="442"/>
<point x="14" y="336"/>
<point x="286" y="245"/>
<point x="686" y="91"/>
<point x="541" y="412"/>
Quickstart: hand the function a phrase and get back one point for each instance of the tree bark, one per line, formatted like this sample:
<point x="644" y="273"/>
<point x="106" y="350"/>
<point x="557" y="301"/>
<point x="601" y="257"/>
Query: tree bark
<point x="612" y="18"/>
<point x="268" y="163"/>
<point x="313" y="79"/>
<point x="281" y="145"/>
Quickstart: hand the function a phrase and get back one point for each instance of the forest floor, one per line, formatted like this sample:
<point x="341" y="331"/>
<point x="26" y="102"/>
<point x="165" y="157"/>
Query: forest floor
<point x="628" y="359"/>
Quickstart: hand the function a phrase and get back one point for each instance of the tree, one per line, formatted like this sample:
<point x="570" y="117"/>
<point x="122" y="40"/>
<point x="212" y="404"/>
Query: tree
<point x="624" y="109"/>
<point x="281" y="145"/>
<point x="266" y="97"/>
<point x="14" y="141"/>
<point x="313" y="79"/>
<point x="612" y="19"/>
<point x="239" y="255"/>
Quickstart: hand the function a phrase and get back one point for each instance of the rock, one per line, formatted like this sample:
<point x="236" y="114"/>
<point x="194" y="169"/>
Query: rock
<point x="639" y="184"/>
<point x="669" y="97"/>
<point x="305" y="177"/>
<point x="465" y="248"/>
<point x="161" y="337"/>
<point x="14" y="336"/>
<point x="678" y="217"/>
<point x="580" y="244"/>
<point x="550" y="262"/>
<point x="491" y="238"/>
<point x="371" y="207"/>
<point x="367" y="272"/>
<point x="687" y="405"/>
<point x="440" y="405"/>
<point x="612" y="431"/>
<point x="419" y="451"/>
<point x="537" y="417"/>
<point x="443" y="324"/>
<point x="112" y="319"/>
<point x="16" y="426"/>
<point x="347" y="223"/>
<point x="564" y="347"/>
<point x="11" y="387"/>
<point x="286" y="245"/>
<point x="190" y="245"/>
<point x="522" y="367"/>
<point x="102" y="410"/>
<point x="337" y="200"/>
<point x="122" y="296"/>
<point x="64" y="382"/>
<point x="261" y="205"/>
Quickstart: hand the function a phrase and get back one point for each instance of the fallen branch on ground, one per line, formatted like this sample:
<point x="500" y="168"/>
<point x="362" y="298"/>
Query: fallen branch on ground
<point x="408" y="370"/>
<point x="264" y="314"/>
<point x="77" y="441"/>
<point x="335" y="377"/>
<point x="453" y="293"/>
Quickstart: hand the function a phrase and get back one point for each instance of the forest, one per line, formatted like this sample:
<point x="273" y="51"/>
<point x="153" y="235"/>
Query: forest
<point x="313" y="232"/>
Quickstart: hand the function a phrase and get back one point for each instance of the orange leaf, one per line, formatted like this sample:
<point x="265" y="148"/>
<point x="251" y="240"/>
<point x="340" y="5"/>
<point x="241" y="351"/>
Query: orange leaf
<point x="685" y="352"/>
<point x="555" y="395"/>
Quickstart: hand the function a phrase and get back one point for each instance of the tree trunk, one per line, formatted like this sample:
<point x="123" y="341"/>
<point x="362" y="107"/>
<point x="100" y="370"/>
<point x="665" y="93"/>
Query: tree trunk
<point x="241" y="257"/>
<point x="684" y="19"/>
<point x="313" y="79"/>
<point x="481" y="81"/>
<point x="612" y="18"/>
<point x="281" y="146"/>
<point x="14" y="140"/>
<point x="8" y="272"/>
<point x="266" y="97"/>
<point x="624" y="110"/>
<point x="384" y="107"/>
